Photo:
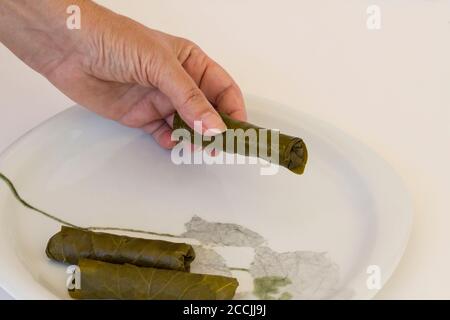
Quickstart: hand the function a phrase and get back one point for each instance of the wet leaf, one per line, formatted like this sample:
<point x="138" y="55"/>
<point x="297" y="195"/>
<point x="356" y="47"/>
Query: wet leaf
<point x="312" y="274"/>
<point x="224" y="234"/>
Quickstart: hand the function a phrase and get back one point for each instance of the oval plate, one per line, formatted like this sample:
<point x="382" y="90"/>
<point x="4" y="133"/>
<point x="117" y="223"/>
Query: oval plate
<point x="338" y="231"/>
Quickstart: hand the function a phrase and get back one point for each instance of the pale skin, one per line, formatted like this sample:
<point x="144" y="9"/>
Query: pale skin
<point x="119" y="68"/>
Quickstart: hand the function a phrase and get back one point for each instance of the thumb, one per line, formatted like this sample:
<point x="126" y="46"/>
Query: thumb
<point x="188" y="99"/>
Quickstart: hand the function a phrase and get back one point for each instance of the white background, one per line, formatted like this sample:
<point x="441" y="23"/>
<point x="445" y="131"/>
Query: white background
<point x="389" y="88"/>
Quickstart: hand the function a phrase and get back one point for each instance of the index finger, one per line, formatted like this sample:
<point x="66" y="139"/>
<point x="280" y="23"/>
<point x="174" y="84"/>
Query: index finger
<point x="217" y="85"/>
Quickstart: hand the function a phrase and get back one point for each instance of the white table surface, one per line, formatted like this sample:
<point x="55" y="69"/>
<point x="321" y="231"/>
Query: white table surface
<point x="389" y="88"/>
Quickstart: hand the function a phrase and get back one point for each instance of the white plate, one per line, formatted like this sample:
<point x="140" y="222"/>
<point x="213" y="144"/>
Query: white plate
<point x="348" y="212"/>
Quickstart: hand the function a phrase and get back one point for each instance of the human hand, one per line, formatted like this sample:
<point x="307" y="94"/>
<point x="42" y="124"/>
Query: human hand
<point x="125" y="71"/>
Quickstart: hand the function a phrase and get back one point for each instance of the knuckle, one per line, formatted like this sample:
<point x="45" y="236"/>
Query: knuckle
<point x="130" y="119"/>
<point x="188" y="43"/>
<point x="192" y="99"/>
<point x="130" y="122"/>
<point x="187" y="48"/>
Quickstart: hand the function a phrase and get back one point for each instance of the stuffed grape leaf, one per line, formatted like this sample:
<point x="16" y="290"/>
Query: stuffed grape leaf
<point x="290" y="152"/>
<point x="101" y="280"/>
<point x="72" y="244"/>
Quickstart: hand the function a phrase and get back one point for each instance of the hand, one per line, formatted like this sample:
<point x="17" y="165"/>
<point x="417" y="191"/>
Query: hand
<point x="127" y="72"/>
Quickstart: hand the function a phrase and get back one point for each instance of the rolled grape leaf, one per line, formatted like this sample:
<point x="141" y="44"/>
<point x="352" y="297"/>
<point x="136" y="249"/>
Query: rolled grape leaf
<point x="71" y="244"/>
<point x="101" y="280"/>
<point x="290" y="152"/>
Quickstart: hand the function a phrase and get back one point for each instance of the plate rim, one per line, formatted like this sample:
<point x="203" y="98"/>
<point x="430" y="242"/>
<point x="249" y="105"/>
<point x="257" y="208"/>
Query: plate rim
<point x="21" y="291"/>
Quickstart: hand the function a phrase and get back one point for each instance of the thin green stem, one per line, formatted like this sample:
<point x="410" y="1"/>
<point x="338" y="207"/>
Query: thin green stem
<point x="29" y="206"/>
<point x="55" y="218"/>
<point x="239" y="269"/>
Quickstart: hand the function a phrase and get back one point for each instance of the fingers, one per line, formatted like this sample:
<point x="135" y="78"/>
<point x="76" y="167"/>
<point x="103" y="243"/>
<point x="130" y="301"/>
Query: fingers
<point x="153" y="106"/>
<point x="188" y="99"/>
<point x="220" y="88"/>
<point x="161" y="132"/>
<point x="230" y="101"/>
<point x="216" y="83"/>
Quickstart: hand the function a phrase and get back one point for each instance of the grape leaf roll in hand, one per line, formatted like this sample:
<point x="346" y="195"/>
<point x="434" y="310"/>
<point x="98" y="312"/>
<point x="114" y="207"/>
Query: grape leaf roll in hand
<point x="290" y="152"/>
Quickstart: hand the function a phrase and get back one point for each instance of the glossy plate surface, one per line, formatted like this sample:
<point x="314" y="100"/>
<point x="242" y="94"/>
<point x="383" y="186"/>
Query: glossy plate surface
<point x="317" y="234"/>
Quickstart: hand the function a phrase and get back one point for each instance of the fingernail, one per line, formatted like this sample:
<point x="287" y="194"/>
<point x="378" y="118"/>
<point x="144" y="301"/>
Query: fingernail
<point x="212" y="124"/>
